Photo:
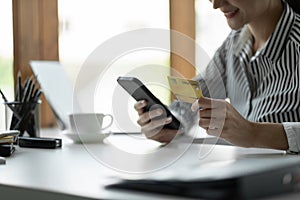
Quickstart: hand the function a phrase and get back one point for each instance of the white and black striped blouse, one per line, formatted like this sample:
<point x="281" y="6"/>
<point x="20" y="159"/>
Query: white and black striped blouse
<point x="264" y="87"/>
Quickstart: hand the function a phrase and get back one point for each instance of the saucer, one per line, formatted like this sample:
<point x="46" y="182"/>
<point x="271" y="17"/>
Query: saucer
<point x="86" y="138"/>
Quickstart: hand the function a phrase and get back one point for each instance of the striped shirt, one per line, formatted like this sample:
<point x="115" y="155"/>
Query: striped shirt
<point x="264" y="87"/>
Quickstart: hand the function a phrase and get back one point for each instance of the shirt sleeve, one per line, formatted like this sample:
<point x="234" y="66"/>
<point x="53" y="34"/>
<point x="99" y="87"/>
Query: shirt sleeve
<point x="292" y="130"/>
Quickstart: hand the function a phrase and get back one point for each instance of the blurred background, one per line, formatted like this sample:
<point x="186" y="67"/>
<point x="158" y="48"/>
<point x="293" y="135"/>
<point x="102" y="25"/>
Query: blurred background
<point x="83" y="25"/>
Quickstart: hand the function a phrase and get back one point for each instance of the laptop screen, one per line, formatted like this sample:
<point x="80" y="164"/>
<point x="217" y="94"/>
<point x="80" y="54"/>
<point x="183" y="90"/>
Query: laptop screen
<point x="57" y="89"/>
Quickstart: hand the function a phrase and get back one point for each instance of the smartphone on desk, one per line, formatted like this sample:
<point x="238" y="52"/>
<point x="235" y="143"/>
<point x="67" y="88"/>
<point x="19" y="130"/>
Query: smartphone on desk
<point x="140" y="92"/>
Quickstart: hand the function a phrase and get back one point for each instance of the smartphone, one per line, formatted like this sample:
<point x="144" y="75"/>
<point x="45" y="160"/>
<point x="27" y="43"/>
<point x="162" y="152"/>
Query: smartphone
<point x="140" y="92"/>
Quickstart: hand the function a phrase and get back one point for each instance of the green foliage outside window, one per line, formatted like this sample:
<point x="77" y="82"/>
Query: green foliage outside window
<point x="6" y="72"/>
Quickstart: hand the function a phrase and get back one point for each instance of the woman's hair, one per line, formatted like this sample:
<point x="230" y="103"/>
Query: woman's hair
<point x="295" y="4"/>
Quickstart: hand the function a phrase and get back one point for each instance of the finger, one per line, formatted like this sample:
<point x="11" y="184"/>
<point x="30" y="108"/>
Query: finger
<point x="143" y="119"/>
<point x="204" y="123"/>
<point x="147" y="116"/>
<point x="205" y="113"/>
<point x="204" y="102"/>
<point x="211" y="123"/>
<point x="153" y="134"/>
<point x="215" y="113"/>
<point x="139" y="106"/>
<point x="214" y="132"/>
<point x="195" y="106"/>
<point x="167" y="136"/>
<point x="155" y="124"/>
<point x="152" y="128"/>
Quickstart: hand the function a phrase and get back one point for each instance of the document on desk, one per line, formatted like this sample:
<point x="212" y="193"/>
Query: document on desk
<point x="234" y="180"/>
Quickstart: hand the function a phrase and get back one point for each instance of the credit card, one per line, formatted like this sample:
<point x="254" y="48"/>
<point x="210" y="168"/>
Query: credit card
<point x="185" y="90"/>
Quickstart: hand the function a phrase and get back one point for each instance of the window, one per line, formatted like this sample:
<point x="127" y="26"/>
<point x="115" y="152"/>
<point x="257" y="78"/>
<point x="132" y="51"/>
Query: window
<point x="211" y="27"/>
<point x="6" y="54"/>
<point x="87" y="24"/>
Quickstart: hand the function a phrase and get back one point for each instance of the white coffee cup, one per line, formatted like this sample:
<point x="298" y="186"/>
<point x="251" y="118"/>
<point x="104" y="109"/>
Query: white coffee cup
<point x="90" y="126"/>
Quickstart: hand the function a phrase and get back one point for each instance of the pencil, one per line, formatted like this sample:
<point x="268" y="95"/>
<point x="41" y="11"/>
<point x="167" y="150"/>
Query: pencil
<point x="26" y="89"/>
<point x="15" y="113"/>
<point x="19" y="87"/>
<point x="3" y="96"/>
<point x="27" y="110"/>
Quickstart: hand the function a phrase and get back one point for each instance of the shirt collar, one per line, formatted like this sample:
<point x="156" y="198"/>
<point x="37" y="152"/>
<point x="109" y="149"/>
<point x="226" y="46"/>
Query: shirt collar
<point x="275" y="44"/>
<point x="244" y="37"/>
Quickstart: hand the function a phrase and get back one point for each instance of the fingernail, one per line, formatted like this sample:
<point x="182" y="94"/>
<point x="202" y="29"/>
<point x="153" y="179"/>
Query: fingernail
<point x="169" y="119"/>
<point x="195" y="106"/>
<point x="143" y="102"/>
<point x="159" y="112"/>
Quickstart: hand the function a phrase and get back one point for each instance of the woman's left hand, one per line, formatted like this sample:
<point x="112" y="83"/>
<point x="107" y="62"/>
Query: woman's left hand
<point x="221" y="119"/>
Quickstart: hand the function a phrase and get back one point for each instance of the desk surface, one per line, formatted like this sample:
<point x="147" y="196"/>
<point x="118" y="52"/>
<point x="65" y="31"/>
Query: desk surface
<point x="79" y="171"/>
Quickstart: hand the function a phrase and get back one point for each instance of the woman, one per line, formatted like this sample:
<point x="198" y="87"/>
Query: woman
<point x="259" y="68"/>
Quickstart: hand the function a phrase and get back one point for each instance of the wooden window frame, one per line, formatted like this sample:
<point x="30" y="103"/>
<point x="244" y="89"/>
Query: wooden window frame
<point x="182" y="20"/>
<point x="35" y="29"/>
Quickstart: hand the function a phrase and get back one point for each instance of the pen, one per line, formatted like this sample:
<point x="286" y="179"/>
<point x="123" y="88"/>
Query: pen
<point x="3" y="96"/>
<point x="29" y="93"/>
<point x="26" y="89"/>
<point x="36" y="96"/>
<point x="24" y="106"/>
<point x="19" y="87"/>
<point x="15" y="113"/>
<point x="27" y="109"/>
<point x="27" y="112"/>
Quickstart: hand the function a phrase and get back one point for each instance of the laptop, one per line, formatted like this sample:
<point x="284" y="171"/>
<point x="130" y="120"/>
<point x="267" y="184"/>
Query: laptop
<point x="57" y="89"/>
<point x="242" y="179"/>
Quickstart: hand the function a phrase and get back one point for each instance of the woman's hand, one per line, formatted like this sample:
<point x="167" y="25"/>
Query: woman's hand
<point x="154" y="128"/>
<point x="220" y="119"/>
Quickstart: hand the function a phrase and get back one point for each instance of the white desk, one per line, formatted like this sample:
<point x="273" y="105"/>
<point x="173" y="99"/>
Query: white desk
<point x="72" y="172"/>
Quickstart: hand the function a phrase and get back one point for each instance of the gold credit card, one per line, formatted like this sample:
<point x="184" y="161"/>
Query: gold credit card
<point x="185" y="90"/>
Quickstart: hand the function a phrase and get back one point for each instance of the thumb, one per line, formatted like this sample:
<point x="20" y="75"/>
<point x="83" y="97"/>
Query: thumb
<point x="203" y="102"/>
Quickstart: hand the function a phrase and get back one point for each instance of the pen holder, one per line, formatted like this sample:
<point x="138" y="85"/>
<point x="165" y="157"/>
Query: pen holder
<point x="23" y="116"/>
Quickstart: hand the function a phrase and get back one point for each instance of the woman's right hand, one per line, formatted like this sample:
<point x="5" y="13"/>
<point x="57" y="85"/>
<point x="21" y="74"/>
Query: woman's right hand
<point x="151" y="127"/>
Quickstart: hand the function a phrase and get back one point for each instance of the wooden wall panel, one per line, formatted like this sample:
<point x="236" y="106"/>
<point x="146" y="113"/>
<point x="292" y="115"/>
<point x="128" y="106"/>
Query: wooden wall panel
<point x="35" y="29"/>
<point x="182" y="19"/>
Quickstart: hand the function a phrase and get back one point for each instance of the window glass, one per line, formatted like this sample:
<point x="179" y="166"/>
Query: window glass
<point x="6" y="54"/>
<point x="211" y="26"/>
<point x="88" y="24"/>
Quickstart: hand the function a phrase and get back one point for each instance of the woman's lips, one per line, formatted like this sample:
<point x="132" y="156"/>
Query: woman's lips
<point x="231" y="14"/>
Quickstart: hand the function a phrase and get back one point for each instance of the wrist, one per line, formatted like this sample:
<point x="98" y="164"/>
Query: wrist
<point x="254" y="131"/>
<point x="269" y="135"/>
